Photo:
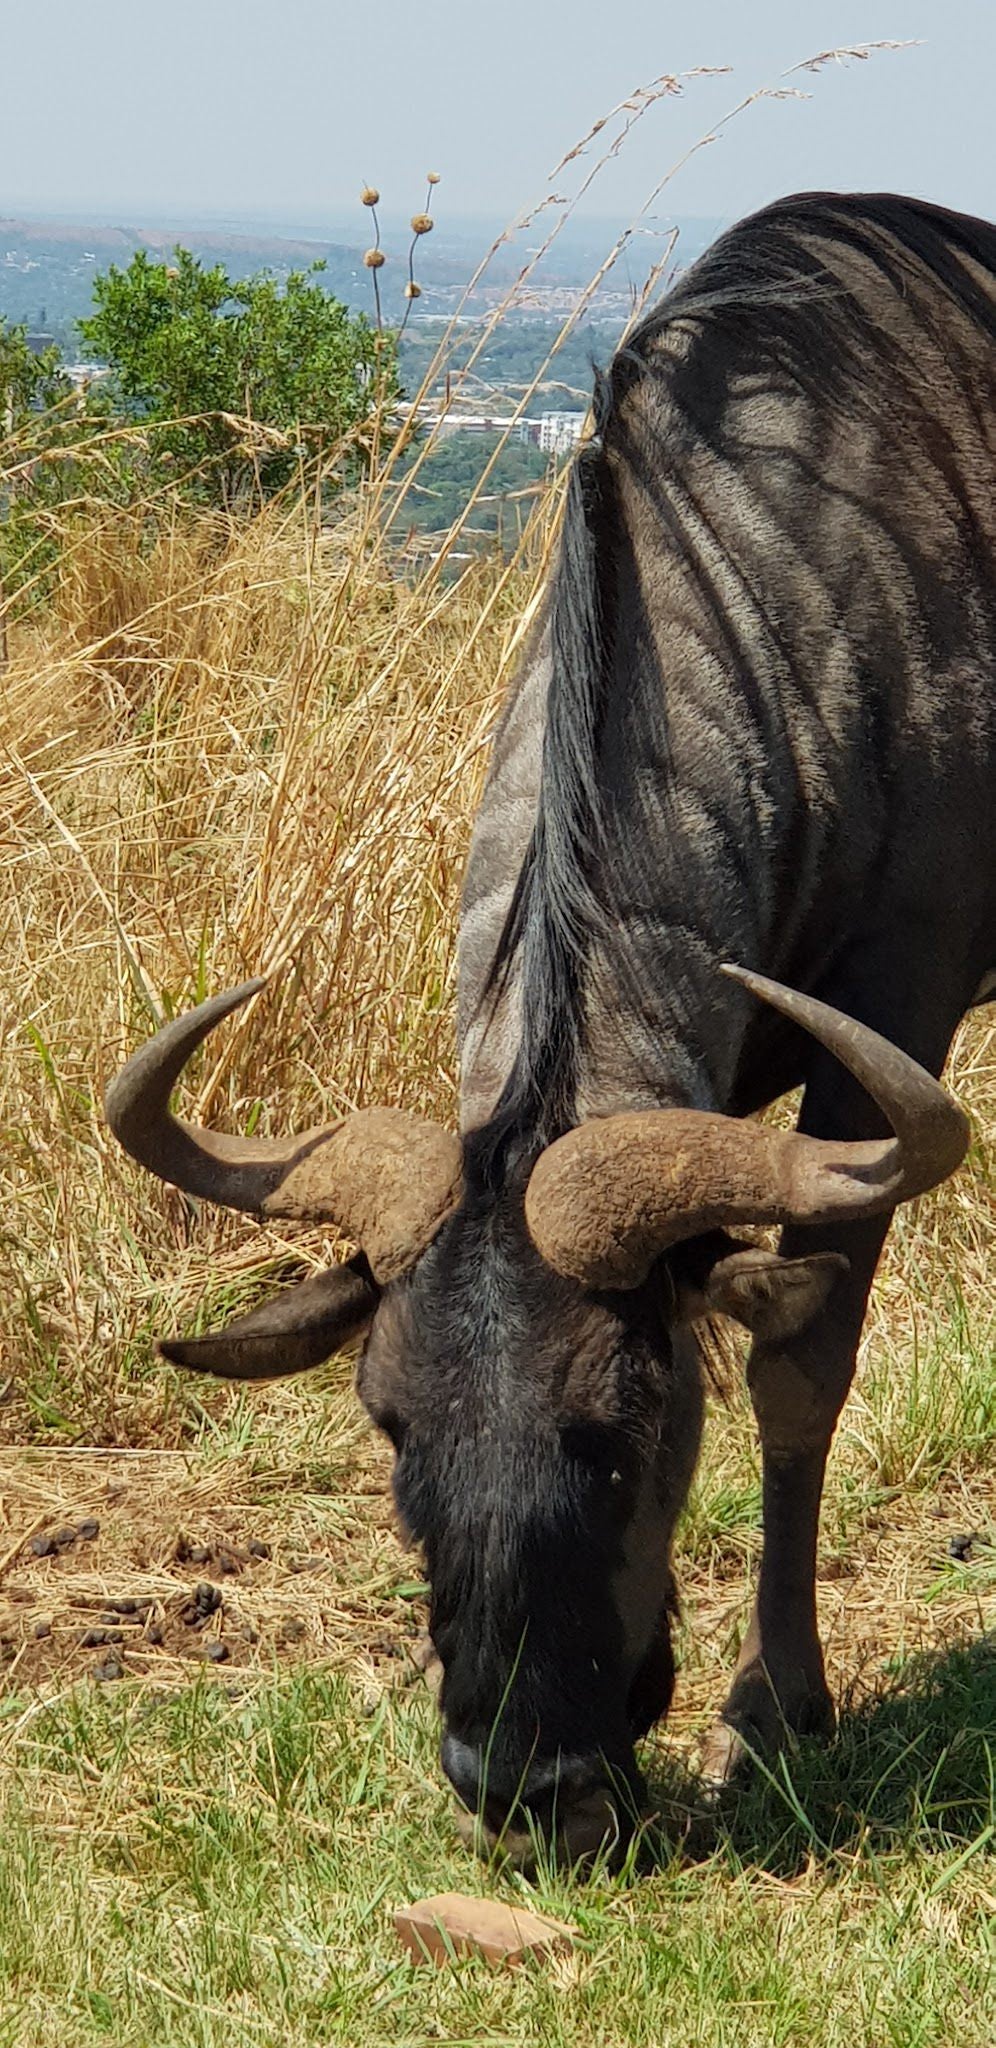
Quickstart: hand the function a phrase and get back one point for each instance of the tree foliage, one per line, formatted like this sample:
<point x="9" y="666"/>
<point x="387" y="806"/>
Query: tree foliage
<point x="237" y="377"/>
<point x="450" y="475"/>
<point x="28" y="382"/>
<point x="217" y="390"/>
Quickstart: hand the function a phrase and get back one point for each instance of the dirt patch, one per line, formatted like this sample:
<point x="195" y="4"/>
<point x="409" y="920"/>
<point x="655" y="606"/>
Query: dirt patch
<point x="158" y="1565"/>
<point x="155" y="1566"/>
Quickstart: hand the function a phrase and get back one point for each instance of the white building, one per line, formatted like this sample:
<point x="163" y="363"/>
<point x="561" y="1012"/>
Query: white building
<point x="441" y="423"/>
<point x="560" y="431"/>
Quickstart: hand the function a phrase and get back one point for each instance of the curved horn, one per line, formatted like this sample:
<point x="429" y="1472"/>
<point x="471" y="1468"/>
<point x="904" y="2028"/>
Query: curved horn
<point x="607" y="1199"/>
<point x="385" y="1179"/>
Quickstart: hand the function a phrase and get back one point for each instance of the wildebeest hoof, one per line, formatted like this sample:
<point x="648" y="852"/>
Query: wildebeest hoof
<point x="760" y="1718"/>
<point x="725" y="1761"/>
<point x="759" y="1721"/>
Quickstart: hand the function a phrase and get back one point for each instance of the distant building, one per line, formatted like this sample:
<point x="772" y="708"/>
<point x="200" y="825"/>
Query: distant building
<point x="82" y="375"/>
<point x="554" y="433"/>
<point x="475" y="423"/>
<point x="559" y="432"/>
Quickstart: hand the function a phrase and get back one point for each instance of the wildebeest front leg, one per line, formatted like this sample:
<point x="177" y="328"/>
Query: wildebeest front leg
<point x="798" y="1387"/>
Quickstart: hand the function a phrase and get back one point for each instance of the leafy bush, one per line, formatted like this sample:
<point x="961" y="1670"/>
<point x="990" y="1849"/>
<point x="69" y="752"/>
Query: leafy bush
<point x="218" y="391"/>
<point x="238" y="378"/>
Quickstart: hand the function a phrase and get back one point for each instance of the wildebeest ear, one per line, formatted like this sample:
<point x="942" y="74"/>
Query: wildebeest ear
<point x="773" y="1298"/>
<point x="295" y="1330"/>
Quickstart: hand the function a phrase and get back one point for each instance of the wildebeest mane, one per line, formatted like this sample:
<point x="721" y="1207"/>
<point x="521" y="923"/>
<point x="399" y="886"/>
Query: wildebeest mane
<point x="766" y="285"/>
<point x="553" y="910"/>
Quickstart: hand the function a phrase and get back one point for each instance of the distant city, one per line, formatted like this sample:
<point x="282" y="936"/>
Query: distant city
<point x="497" y="356"/>
<point x="47" y="268"/>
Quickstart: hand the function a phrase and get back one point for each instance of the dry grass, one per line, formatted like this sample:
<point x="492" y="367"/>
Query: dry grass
<point x="266" y="761"/>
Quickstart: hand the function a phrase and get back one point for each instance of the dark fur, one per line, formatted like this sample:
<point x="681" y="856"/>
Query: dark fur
<point x="770" y="736"/>
<point x="523" y="1416"/>
<point x="759" y="296"/>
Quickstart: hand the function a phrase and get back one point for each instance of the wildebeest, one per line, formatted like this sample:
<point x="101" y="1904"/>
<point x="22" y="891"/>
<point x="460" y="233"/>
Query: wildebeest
<point x="757" y="726"/>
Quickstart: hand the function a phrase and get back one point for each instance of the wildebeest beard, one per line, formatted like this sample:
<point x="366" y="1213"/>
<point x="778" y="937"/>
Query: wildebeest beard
<point x="544" y="1442"/>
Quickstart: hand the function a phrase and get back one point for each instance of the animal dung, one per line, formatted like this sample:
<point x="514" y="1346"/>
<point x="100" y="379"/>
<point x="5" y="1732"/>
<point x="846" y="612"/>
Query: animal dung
<point x="110" y="1669"/>
<point x="49" y="1542"/>
<point x="436" y="1930"/>
<point x="205" y="1601"/>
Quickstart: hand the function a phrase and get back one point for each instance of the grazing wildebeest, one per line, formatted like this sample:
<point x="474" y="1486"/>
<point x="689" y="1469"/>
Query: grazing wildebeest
<point x="758" y="726"/>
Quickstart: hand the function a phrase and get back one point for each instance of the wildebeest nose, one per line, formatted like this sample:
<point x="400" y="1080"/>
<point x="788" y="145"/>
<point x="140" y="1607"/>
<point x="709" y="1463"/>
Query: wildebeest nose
<point x="488" y="1789"/>
<point x="564" y="1798"/>
<point x="462" y="1763"/>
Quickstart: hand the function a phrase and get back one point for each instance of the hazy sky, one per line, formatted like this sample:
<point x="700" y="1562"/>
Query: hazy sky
<point x="282" y="107"/>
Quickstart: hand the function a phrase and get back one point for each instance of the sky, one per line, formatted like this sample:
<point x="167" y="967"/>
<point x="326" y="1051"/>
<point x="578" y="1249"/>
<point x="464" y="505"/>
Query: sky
<point x="279" y="110"/>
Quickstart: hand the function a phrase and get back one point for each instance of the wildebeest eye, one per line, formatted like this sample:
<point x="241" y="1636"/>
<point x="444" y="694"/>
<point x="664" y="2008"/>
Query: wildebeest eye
<point x="598" y="1450"/>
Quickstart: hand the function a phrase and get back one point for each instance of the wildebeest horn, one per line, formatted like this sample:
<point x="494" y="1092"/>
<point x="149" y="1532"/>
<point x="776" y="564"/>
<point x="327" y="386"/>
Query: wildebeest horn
<point x="384" y="1178"/>
<point x="607" y="1198"/>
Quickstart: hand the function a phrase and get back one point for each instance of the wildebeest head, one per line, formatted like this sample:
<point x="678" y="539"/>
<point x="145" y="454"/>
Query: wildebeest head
<point x="526" y="1352"/>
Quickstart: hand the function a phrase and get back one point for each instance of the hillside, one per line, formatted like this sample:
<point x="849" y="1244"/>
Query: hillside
<point x="47" y="267"/>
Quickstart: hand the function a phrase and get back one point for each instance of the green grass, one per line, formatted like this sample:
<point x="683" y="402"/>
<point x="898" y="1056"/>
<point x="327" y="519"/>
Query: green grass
<point x="211" y="1861"/>
<point x="206" y="1870"/>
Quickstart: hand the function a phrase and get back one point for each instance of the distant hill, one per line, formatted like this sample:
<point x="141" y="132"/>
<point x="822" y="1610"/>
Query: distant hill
<point x="113" y="241"/>
<point x="47" y="267"/>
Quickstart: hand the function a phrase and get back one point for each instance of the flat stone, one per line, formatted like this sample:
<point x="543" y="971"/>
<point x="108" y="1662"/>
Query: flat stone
<point x="435" y="1930"/>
